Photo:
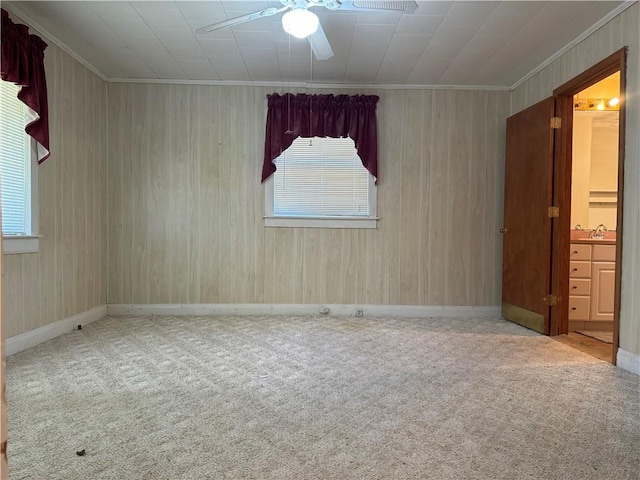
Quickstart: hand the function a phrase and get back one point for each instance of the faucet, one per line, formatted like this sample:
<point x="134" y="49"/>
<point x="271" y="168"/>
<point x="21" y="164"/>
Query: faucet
<point x="598" y="232"/>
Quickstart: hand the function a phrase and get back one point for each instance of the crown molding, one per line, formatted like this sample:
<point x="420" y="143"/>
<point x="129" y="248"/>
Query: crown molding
<point x="369" y="86"/>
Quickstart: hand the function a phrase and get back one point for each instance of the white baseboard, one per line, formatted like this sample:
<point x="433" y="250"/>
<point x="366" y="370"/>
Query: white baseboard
<point x="340" y="310"/>
<point x="32" y="338"/>
<point x="628" y="361"/>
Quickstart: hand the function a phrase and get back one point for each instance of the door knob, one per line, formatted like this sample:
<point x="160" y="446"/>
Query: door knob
<point x="504" y="230"/>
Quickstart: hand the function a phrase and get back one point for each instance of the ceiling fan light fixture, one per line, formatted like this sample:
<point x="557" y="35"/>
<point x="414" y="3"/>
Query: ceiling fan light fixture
<point x="300" y="22"/>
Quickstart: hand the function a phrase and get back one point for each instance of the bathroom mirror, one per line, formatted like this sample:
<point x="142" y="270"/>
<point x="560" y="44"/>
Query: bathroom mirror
<point x="594" y="182"/>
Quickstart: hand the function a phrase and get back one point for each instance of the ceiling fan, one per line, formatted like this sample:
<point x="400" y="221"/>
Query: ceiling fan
<point x="300" y="22"/>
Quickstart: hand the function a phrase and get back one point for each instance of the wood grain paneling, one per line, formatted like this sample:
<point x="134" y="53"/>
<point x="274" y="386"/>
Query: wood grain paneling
<point x="67" y="275"/>
<point x="186" y="205"/>
<point x="3" y="392"/>
<point x="618" y="33"/>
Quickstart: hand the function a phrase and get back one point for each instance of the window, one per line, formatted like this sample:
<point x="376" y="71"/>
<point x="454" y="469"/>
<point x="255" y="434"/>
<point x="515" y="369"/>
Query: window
<point x="17" y="173"/>
<point x="320" y="182"/>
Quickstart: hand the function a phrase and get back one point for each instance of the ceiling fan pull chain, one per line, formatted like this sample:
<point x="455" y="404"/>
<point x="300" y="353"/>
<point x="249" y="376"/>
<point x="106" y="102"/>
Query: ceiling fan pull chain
<point x="289" y="131"/>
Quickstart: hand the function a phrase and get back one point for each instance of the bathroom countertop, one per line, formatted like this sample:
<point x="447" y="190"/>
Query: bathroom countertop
<point x="595" y="241"/>
<point x="582" y="236"/>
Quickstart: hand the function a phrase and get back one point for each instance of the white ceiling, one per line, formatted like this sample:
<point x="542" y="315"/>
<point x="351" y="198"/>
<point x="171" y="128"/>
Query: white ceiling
<point x="475" y="43"/>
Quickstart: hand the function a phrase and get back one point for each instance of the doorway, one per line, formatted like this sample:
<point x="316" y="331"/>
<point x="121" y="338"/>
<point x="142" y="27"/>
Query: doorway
<point x="537" y="259"/>
<point x="594" y="187"/>
<point x="588" y="181"/>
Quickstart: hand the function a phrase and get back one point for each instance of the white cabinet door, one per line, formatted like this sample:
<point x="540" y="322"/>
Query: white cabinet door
<point x="603" y="278"/>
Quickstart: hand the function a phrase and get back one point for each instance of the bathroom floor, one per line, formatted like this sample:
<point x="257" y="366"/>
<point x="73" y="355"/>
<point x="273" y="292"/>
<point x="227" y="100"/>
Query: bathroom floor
<point x="593" y="347"/>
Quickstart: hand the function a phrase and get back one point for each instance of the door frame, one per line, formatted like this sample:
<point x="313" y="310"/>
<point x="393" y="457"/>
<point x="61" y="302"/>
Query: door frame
<point x="559" y="315"/>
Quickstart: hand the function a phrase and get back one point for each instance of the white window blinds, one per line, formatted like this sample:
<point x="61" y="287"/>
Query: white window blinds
<point x="321" y="177"/>
<point x="15" y="171"/>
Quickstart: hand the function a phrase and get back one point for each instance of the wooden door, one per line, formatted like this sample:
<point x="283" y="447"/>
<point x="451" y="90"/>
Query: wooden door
<point x="526" y="263"/>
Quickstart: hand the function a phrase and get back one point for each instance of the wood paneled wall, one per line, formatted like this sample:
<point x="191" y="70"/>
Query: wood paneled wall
<point x="68" y="275"/>
<point x="621" y="31"/>
<point x="186" y="204"/>
<point x="3" y="390"/>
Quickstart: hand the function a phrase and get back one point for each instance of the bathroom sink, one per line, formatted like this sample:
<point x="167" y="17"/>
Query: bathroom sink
<point x="609" y="235"/>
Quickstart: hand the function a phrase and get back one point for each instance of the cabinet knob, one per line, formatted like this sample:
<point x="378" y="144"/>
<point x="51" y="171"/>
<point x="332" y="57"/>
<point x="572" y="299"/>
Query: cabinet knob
<point x="574" y="287"/>
<point x="573" y="308"/>
<point x="575" y="252"/>
<point x="574" y="270"/>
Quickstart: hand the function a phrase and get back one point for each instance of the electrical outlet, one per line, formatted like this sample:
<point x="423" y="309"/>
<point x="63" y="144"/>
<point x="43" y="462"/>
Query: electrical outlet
<point x="359" y="312"/>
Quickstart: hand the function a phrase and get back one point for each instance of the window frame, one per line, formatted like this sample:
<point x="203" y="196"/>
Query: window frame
<point x="19" y="244"/>
<point x="324" y="221"/>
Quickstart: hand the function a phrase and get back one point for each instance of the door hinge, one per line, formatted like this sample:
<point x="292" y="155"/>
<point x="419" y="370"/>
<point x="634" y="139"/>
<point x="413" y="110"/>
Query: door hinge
<point x="550" y="300"/>
<point x="556" y="122"/>
<point x="553" y="212"/>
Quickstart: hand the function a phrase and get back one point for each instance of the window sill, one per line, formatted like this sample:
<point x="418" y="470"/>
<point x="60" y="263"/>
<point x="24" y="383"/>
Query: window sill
<point x="20" y="244"/>
<point x="325" y="222"/>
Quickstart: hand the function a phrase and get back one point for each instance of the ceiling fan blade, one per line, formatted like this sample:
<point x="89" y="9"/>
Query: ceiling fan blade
<point x="267" y="12"/>
<point x="374" y="6"/>
<point x="320" y="45"/>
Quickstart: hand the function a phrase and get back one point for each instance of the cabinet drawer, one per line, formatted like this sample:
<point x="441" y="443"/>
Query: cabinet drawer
<point x="580" y="252"/>
<point x="604" y="253"/>
<point x="580" y="269"/>
<point x="579" y="286"/>
<point x="578" y="308"/>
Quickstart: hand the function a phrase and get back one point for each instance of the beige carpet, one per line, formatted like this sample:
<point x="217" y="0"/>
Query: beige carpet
<point x="317" y="398"/>
<point x="606" y="337"/>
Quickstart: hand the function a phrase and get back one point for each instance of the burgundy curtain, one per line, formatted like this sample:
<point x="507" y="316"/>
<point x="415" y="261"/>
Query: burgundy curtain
<point x="23" y="64"/>
<point x="291" y="116"/>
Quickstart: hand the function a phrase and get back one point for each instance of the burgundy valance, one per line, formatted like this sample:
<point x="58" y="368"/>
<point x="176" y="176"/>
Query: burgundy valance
<point x="23" y="64"/>
<point x="291" y="116"/>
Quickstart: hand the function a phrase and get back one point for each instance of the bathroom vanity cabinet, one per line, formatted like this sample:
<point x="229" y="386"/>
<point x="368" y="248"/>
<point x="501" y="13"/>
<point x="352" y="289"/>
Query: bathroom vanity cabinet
<point x="591" y="281"/>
